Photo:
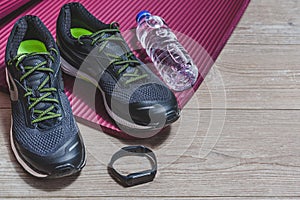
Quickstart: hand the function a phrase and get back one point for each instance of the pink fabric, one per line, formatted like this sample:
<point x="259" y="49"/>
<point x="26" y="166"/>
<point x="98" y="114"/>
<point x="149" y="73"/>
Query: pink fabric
<point x="8" y="6"/>
<point x="197" y="23"/>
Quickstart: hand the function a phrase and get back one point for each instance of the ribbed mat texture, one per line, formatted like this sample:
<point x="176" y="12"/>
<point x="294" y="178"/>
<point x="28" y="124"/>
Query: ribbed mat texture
<point x="8" y="6"/>
<point x="202" y="26"/>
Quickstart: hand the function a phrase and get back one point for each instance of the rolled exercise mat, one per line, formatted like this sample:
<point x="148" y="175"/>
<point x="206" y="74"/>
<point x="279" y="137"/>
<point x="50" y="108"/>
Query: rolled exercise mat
<point x="197" y="23"/>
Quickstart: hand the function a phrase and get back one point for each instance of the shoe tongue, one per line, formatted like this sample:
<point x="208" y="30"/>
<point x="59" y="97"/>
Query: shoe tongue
<point x="119" y="49"/>
<point x="37" y="77"/>
<point x="33" y="81"/>
<point x="116" y="47"/>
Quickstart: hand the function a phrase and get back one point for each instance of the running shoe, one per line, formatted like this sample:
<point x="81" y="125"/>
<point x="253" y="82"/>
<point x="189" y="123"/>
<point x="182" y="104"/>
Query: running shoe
<point x="44" y="136"/>
<point x="134" y="97"/>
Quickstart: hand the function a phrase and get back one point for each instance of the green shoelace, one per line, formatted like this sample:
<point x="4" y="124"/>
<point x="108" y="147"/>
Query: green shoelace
<point x="97" y="37"/>
<point x="41" y="67"/>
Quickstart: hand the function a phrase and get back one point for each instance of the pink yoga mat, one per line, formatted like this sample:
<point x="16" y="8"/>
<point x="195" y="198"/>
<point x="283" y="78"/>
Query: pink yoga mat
<point x="202" y="26"/>
<point x="8" y="6"/>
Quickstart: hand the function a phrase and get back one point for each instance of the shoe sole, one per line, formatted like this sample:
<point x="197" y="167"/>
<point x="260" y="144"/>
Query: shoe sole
<point x="72" y="71"/>
<point x="20" y="160"/>
<point x="23" y="163"/>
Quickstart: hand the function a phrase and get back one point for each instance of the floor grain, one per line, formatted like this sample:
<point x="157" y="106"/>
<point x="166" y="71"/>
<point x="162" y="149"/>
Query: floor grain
<point x="238" y="136"/>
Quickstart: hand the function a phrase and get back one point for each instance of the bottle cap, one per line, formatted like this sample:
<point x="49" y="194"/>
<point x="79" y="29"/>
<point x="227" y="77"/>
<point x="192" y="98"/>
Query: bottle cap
<point x="142" y="14"/>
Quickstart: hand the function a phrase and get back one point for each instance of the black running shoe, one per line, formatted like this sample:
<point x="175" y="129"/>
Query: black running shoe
<point x="96" y="52"/>
<point x="44" y="136"/>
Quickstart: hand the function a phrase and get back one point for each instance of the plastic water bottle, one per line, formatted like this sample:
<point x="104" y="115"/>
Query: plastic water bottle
<point x="169" y="57"/>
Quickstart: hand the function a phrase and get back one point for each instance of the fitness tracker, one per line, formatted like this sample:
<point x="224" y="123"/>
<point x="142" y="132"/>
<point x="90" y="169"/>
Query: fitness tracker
<point x="137" y="177"/>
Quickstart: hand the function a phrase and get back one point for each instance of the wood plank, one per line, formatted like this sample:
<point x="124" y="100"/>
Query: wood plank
<point x="269" y="22"/>
<point x="252" y="77"/>
<point x="257" y="154"/>
<point x="4" y="100"/>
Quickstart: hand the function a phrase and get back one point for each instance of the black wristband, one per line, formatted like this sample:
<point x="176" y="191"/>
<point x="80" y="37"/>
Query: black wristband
<point x="137" y="177"/>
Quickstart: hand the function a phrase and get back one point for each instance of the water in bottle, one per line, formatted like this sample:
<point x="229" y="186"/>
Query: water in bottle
<point x="169" y="57"/>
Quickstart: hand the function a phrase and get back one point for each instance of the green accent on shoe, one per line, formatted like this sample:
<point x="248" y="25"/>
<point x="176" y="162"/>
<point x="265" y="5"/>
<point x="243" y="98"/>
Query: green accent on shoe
<point x="77" y="32"/>
<point x="32" y="46"/>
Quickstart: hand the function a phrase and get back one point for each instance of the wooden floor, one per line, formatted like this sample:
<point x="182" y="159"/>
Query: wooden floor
<point x="238" y="138"/>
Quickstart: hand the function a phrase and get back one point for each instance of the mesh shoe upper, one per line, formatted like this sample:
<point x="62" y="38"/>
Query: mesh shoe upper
<point x="43" y="142"/>
<point x="43" y="126"/>
<point x="105" y="57"/>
